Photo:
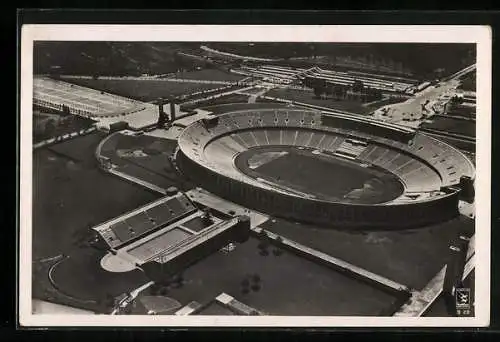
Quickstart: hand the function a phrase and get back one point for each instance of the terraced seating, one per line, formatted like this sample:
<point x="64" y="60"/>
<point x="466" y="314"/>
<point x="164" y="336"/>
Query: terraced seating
<point x="444" y="158"/>
<point x="158" y="244"/>
<point x="82" y="99"/>
<point x="350" y="148"/>
<point x="379" y="145"/>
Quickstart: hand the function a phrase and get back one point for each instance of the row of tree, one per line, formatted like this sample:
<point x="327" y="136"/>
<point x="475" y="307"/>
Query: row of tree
<point x="357" y="90"/>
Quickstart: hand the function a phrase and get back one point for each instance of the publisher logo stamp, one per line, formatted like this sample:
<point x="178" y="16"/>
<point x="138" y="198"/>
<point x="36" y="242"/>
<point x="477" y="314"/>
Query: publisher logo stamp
<point x="463" y="301"/>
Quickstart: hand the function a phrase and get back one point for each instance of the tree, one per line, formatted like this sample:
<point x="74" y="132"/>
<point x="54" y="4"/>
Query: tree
<point x="65" y="110"/>
<point x="277" y="252"/>
<point x="108" y="301"/>
<point x="263" y="245"/>
<point x="50" y="128"/>
<point x="255" y="287"/>
<point x="256" y="278"/>
<point x="319" y="90"/>
<point x="264" y="252"/>
<point x="357" y="86"/>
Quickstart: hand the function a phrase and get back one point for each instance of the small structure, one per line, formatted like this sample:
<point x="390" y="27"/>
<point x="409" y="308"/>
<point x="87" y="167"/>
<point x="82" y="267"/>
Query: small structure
<point x="171" y="191"/>
<point x="118" y="126"/>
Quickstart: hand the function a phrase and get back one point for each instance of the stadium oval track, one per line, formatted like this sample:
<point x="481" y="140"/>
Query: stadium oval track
<point x="210" y="153"/>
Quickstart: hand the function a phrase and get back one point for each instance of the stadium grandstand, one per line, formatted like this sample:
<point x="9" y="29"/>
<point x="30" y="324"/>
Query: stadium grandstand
<point x="286" y="75"/>
<point x="129" y="227"/>
<point x="105" y="108"/>
<point x="427" y="169"/>
<point x="81" y="101"/>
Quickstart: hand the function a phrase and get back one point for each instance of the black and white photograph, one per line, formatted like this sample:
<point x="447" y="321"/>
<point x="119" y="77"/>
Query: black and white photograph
<point x="255" y="176"/>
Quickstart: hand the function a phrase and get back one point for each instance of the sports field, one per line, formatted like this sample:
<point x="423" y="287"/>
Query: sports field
<point x="144" y="90"/>
<point x="450" y="125"/>
<point x="209" y="75"/>
<point x="144" y="157"/>
<point x="411" y="257"/>
<point x="326" y="177"/>
<point x="307" y="96"/>
<point x="228" y="99"/>
<point x="289" y="285"/>
<point x="48" y="125"/>
<point x="215" y="309"/>
<point x="457" y="110"/>
<point x="222" y="108"/>
<point x="81" y="276"/>
<point x="213" y="92"/>
<point x="468" y="82"/>
<point x="70" y="194"/>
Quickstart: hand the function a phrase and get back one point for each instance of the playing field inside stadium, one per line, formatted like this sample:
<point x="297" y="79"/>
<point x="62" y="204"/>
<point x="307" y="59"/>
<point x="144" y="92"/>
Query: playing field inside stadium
<point x="334" y="178"/>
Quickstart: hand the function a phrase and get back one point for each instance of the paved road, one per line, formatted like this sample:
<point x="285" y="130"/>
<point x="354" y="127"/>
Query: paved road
<point x="428" y="102"/>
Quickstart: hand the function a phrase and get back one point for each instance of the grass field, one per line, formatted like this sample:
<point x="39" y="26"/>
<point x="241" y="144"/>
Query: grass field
<point x="209" y="75"/>
<point x="144" y="90"/>
<point x="60" y="126"/>
<point x="387" y="101"/>
<point x="70" y="194"/>
<point x="410" y="257"/>
<point x="468" y="82"/>
<point x="229" y="107"/>
<point x="450" y="125"/>
<point x="81" y="276"/>
<point x="307" y="96"/>
<point x="468" y="112"/>
<point x="228" y="99"/>
<point x="289" y="285"/>
<point x="154" y="167"/>
<point x="332" y="178"/>
<point x="216" y="309"/>
<point x="208" y="93"/>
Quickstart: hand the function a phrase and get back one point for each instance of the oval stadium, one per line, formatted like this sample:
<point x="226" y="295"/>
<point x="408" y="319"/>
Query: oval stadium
<point x="373" y="174"/>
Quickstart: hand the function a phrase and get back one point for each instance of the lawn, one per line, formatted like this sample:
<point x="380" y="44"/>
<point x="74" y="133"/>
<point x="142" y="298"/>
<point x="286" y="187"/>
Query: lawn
<point x="209" y="75"/>
<point x="450" y="125"/>
<point x="60" y="126"/>
<point x="288" y="284"/>
<point x="410" y="257"/>
<point x="222" y="108"/>
<point x="468" y="82"/>
<point x="81" y="276"/>
<point x="70" y="194"/>
<point x="327" y="172"/>
<point x="307" y="96"/>
<point x="384" y="102"/>
<point x="144" y="90"/>
<point x="153" y="168"/>
<point x="229" y="99"/>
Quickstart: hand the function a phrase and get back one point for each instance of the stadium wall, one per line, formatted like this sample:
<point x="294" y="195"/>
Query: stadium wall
<point x="328" y="214"/>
